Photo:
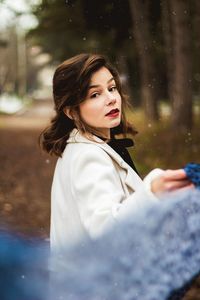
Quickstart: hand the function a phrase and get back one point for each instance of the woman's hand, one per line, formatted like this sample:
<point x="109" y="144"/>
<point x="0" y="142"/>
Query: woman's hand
<point x="170" y="180"/>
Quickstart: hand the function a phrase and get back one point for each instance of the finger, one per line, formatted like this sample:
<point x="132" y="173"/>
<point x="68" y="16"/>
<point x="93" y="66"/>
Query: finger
<point x="174" y="185"/>
<point x="189" y="186"/>
<point x="171" y="175"/>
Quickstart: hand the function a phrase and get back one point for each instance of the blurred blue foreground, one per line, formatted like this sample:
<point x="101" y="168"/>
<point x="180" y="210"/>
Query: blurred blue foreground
<point x="23" y="268"/>
<point x="149" y="256"/>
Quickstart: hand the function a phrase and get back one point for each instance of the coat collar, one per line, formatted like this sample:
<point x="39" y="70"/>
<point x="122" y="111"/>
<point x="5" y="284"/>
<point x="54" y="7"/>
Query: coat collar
<point x="77" y="137"/>
<point x="131" y="176"/>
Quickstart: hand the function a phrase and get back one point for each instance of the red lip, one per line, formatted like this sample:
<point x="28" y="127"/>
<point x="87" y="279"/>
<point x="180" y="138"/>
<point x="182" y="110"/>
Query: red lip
<point x="113" y="111"/>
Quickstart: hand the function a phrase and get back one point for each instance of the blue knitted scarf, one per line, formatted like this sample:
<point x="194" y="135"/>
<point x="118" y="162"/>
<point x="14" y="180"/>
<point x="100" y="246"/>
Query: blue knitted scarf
<point x="193" y="173"/>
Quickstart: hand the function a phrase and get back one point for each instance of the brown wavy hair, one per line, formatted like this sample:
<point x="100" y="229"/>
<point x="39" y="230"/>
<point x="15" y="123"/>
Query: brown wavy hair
<point x="71" y="81"/>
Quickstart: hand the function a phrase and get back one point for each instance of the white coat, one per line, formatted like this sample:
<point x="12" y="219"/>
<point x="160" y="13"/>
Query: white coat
<point x="92" y="187"/>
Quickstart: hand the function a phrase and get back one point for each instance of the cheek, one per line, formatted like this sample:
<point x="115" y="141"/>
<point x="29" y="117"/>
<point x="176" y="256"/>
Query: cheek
<point x="89" y="111"/>
<point x="119" y="100"/>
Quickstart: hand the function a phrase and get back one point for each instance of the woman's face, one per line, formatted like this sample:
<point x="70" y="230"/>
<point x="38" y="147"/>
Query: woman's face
<point x="102" y="106"/>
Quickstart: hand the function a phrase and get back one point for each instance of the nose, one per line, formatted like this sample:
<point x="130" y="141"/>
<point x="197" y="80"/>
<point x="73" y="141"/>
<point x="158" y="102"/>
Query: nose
<point x="110" y="98"/>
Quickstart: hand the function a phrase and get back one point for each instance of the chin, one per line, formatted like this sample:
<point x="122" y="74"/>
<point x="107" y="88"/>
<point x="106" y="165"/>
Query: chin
<point x="115" y="124"/>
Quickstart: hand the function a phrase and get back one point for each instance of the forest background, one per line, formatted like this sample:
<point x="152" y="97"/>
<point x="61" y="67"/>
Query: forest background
<point x="154" y="44"/>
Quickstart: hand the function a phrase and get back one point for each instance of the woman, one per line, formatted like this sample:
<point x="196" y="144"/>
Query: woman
<point x="95" y="181"/>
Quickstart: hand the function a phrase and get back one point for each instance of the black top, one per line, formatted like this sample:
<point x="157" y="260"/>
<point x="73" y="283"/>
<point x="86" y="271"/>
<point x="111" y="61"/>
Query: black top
<point x="120" y="145"/>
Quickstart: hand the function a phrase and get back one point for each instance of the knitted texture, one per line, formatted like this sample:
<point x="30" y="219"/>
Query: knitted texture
<point x="144" y="257"/>
<point x="193" y="173"/>
<point x="148" y="256"/>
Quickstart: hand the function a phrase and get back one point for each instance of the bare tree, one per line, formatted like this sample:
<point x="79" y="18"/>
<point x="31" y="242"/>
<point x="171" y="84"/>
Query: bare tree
<point x="167" y="37"/>
<point x="182" y="72"/>
<point x="141" y="29"/>
<point x="197" y="43"/>
<point x="8" y="61"/>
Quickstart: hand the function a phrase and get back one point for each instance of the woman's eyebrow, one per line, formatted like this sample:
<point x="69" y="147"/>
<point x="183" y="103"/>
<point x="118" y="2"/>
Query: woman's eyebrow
<point x="97" y="85"/>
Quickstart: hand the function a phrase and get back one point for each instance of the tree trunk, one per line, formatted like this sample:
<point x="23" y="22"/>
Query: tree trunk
<point x="197" y="45"/>
<point x="182" y="89"/>
<point x="167" y="37"/>
<point x="141" y="31"/>
<point x="22" y="60"/>
<point x="122" y="66"/>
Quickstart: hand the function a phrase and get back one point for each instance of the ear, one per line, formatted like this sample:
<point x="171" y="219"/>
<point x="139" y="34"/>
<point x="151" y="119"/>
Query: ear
<point x="67" y="112"/>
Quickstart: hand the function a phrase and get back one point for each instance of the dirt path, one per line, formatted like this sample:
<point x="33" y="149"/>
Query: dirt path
<point x="26" y="173"/>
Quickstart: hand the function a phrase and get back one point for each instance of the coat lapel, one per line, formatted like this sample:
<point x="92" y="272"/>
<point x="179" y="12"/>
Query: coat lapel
<point x="132" y="180"/>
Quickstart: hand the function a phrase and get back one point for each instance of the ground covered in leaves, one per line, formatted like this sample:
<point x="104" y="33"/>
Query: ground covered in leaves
<point x="26" y="174"/>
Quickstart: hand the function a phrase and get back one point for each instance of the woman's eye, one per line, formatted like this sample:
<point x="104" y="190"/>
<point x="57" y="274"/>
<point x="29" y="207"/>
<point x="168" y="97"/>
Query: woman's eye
<point x="112" y="88"/>
<point x="94" y="95"/>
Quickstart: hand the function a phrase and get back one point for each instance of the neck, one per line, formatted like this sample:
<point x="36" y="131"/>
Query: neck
<point x="97" y="133"/>
<point x="105" y="134"/>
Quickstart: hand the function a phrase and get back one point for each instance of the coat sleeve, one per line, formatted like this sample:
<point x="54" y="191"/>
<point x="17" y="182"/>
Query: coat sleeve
<point x="98" y="191"/>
